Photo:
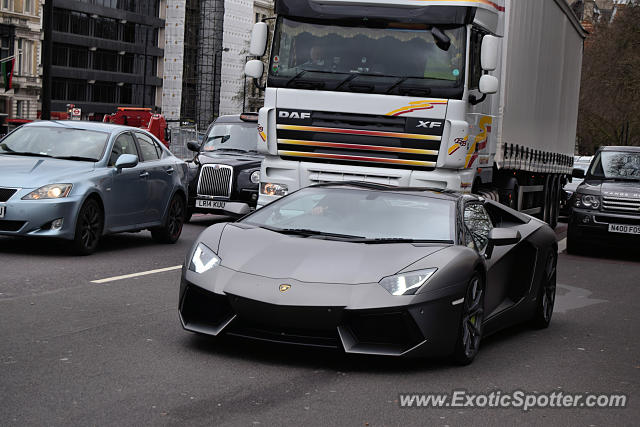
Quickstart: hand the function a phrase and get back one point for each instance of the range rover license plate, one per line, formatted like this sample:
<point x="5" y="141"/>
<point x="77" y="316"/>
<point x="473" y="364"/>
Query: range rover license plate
<point x="3" y="209"/>
<point x="623" y="228"/>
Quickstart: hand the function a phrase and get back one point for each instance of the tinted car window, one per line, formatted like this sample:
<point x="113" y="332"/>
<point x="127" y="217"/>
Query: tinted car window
<point x="236" y="136"/>
<point x="363" y="213"/>
<point x="150" y="150"/>
<point x="478" y="224"/>
<point x="124" y="145"/>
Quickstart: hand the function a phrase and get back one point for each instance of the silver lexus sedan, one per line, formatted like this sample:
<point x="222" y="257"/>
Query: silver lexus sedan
<point x="81" y="180"/>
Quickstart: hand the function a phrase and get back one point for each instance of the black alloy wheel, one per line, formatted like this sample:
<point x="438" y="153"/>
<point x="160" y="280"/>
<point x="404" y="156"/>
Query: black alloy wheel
<point x="170" y="232"/>
<point x="547" y="294"/>
<point x="470" y="333"/>
<point x="88" y="228"/>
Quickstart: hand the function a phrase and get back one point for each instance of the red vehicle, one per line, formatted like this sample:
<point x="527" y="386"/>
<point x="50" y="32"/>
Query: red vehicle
<point x="142" y="118"/>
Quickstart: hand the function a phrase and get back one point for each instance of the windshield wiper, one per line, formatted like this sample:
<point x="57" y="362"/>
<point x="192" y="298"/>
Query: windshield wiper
<point x="311" y="85"/>
<point x="307" y="233"/>
<point x="78" y="158"/>
<point x="237" y="150"/>
<point x="22" y="153"/>
<point x="385" y="240"/>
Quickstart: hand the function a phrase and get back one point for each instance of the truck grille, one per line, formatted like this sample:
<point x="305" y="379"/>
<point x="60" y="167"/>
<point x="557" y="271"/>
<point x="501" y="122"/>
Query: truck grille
<point x="215" y="181"/>
<point x="623" y="204"/>
<point x="342" y="138"/>
<point x="6" y="193"/>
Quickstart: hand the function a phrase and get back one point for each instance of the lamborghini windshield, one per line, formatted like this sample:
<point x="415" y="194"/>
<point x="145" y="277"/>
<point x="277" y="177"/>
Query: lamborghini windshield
<point x="359" y="213"/>
<point x="371" y="57"/>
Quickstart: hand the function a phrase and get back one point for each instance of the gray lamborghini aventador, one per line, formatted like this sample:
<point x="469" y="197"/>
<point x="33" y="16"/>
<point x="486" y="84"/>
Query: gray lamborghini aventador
<point x="372" y="269"/>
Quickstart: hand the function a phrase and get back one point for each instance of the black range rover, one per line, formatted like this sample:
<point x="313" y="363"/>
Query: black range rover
<point x="225" y="172"/>
<point x="606" y="207"/>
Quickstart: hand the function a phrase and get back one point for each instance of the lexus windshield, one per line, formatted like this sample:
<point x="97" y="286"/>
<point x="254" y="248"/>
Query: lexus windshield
<point x="359" y="213"/>
<point x="57" y="142"/>
<point x="232" y="136"/>
<point x="616" y="165"/>
<point x="381" y="57"/>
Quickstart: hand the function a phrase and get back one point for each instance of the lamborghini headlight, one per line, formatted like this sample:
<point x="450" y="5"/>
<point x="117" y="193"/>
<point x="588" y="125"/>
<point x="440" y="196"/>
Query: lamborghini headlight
<point x="407" y="283"/>
<point x="52" y="191"/>
<point x="203" y="259"/>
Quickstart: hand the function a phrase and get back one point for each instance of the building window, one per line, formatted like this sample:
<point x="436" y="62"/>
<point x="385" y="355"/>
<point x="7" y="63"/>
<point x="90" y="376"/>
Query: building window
<point x="5" y="47"/>
<point x="22" y="108"/>
<point x="105" y="60"/>
<point x="79" y="23"/>
<point x="127" y="63"/>
<point x="106" y="28"/>
<point x="25" y="57"/>
<point x="126" y="94"/>
<point x="61" y="20"/>
<point x="60" y="55"/>
<point x="77" y="90"/>
<point x="7" y="4"/>
<point x="78" y="57"/>
<point x="104" y="92"/>
<point x="29" y="7"/>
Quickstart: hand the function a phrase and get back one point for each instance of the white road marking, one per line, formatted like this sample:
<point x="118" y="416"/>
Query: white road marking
<point x="562" y="245"/>
<point x="143" y="273"/>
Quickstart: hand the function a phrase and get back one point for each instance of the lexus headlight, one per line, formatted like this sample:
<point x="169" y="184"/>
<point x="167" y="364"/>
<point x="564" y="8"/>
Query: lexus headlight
<point x="588" y="201"/>
<point x="407" y="283"/>
<point x="255" y="177"/>
<point x="203" y="259"/>
<point x="271" y="189"/>
<point x="53" y="191"/>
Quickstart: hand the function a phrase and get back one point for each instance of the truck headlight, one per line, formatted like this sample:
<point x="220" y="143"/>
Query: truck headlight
<point x="588" y="201"/>
<point x="271" y="189"/>
<point x="407" y="283"/>
<point x="203" y="259"/>
<point x="255" y="177"/>
<point x="52" y="191"/>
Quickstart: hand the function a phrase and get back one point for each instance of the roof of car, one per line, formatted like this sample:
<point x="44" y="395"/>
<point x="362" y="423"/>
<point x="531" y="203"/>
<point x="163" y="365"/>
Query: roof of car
<point x="438" y="193"/>
<point x="620" y="148"/>
<point x="84" y="125"/>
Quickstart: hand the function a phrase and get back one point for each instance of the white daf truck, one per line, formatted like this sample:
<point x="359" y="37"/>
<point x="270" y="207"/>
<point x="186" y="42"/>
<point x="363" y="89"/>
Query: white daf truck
<point x="472" y="95"/>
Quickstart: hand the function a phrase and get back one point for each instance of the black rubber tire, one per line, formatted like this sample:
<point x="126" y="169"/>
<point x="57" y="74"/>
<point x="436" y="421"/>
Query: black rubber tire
<point x="574" y="244"/>
<point x="172" y="228"/>
<point x="187" y="216"/>
<point x="470" y="328"/>
<point x="89" y="227"/>
<point x="547" y="294"/>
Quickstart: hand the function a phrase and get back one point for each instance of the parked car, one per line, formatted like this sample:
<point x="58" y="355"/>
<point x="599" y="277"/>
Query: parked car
<point x="225" y="172"/>
<point x="81" y="180"/>
<point x="579" y="162"/>
<point x="372" y="269"/>
<point x="606" y="206"/>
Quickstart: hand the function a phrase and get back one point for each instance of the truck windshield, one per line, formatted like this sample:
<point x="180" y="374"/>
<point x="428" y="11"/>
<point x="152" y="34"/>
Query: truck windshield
<point x="616" y="165"/>
<point x="381" y="57"/>
<point x="232" y="136"/>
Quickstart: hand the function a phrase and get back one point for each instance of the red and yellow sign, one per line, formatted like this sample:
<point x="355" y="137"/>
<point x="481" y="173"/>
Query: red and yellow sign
<point x="480" y="141"/>
<point x="416" y="106"/>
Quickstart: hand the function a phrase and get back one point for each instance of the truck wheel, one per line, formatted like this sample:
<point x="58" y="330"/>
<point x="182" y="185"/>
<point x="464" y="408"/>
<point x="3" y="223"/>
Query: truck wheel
<point x="172" y="228"/>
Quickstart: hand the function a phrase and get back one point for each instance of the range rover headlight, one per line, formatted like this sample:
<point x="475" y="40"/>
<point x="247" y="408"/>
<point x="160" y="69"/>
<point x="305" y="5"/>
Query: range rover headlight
<point x="271" y="189"/>
<point x="203" y="259"/>
<point x="588" y="201"/>
<point x="52" y="191"/>
<point x="407" y="283"/>
<point x="255" y="177"/>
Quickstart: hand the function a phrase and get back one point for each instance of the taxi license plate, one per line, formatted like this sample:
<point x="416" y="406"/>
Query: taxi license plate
<point x="3" y="210"/>
<point x="623" y="228"/>
<point x="210" y="204"/>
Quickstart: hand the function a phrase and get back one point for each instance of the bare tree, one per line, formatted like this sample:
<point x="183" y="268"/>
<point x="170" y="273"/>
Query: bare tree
<point x="610" y="94"/>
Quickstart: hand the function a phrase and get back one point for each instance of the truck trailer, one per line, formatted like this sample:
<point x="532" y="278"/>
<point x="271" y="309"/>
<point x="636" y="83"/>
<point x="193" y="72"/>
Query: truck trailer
<point x="473" y="95"/>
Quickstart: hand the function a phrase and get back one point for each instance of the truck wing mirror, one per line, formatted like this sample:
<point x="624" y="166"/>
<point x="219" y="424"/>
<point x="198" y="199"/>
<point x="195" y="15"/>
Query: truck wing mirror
<point x="259" y="37"/>
<point x="488" y="84"/>
<point x="489" y="53"/>
<point x="254" y="68"/>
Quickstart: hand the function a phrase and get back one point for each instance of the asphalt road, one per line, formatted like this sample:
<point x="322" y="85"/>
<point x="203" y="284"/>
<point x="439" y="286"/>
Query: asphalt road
<point x="73" y="352"/>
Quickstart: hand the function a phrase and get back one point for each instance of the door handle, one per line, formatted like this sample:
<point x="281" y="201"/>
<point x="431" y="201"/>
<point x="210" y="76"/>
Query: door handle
<point x="169" y="170"/>
<point x="144" y="174"/>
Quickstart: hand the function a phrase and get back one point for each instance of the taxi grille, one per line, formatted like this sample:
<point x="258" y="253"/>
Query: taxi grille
<point x="6" y="193"/>
<point x="215" y="181"/>
<point x="621" y="204"/>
